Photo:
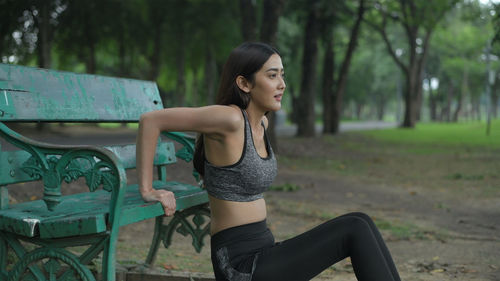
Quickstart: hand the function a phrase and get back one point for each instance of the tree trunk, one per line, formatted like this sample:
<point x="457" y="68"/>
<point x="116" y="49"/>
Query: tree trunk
<point x="359" y="110"/>
<point x="88" y="31"/>
<point x="411" y="91"/>
<point x="154" y="59"/>
<point x="248" y="19"/>
<point x="327" y="85"/>
<point x="433" y="108"/>
<point x="210" y="74"/>
<point x="123" y="71"/>
<point x="419" y="102"/>
<point x="476" y="107"/>
<point x="410" y="99"/>
<point x="180" y="88"/>
<point x="307" y="97"/>
<point x="381" y="103"/>
<point x="91" y="61"/>
<point x="344" y="71"/>
<point x="460" y="97"/>
<point x="271" y="13"/>
<point x="494" y="97"/>
<point x="44" y="42"/>
<point x="432" y="101"/>
<point x="446" y="111"/>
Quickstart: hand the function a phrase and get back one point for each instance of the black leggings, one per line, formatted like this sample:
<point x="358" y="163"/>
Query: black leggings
<point x="248" y="252"/>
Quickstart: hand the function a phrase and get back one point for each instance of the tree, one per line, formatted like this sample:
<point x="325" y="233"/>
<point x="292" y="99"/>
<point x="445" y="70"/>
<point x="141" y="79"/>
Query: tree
<point x="81" y="29"/>
<point x="307" y="97"/>
<point x="418" y="20"/>
<point x="248" y="19"/>
<point x="456" y="50"/>
<point x="271" y="13"/>
<point x="371" y="78"/>
<point x="45" y="31"/>
<point x="332" y="98"/>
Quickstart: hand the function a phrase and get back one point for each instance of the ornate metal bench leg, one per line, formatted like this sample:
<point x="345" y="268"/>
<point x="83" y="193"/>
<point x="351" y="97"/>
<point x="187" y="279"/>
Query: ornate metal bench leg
<point x="157" y="238"/>
<point x="194" y="221"/>
<point x="198" y="227"/>
<point x="3" y="258"/>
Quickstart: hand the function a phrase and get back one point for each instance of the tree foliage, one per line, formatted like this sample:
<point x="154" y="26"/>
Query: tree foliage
<point x="433" y="52"/>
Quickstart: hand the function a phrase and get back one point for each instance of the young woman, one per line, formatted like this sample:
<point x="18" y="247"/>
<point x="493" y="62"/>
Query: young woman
<point x="237" y="164"/>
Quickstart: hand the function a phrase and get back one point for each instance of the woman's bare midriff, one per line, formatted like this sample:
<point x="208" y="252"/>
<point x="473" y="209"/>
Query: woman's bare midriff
<point x="227" y="214"/>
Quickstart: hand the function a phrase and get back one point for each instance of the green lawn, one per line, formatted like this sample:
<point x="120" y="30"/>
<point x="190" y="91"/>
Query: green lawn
<point x="468" y="134"/>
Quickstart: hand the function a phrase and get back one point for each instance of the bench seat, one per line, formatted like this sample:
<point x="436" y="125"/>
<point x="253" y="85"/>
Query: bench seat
<point x="87" y="213"/>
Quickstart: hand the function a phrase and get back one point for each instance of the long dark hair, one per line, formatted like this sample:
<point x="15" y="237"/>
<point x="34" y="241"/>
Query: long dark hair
<point x="244" y="60"/>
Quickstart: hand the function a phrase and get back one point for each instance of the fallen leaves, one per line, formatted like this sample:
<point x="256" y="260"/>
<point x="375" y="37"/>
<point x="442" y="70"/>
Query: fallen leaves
<point x="436" y="267"/>
<point x="169" y="266"/>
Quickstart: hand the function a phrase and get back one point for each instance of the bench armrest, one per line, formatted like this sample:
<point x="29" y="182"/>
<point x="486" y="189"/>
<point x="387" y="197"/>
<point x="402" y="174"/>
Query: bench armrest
<point x="186" y="153"/>
<point x="55" y="163"/>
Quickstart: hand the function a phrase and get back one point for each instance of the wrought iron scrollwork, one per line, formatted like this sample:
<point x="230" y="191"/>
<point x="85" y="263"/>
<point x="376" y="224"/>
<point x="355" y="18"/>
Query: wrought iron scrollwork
<point x="198" y="226"/>
<point x="186" y="153"/>
<point x="69" y="167"/>
<point x="50" y="264"/>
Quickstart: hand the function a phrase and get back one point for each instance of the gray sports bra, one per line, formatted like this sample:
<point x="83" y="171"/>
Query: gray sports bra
<point x="248" y="178"/>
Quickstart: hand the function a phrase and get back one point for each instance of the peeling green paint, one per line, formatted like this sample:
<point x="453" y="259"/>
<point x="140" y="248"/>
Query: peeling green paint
<point x="55" y="95"/>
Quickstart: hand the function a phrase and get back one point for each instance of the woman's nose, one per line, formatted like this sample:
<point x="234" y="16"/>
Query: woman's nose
<point x="282" y="85"/>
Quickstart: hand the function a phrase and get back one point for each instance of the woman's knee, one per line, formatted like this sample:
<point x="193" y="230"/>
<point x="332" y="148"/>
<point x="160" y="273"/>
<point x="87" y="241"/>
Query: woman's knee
<point x="362" y="216"/>
<point x="356" y="224"/>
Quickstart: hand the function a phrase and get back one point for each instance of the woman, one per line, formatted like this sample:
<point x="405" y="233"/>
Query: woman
<point x="237" y="164"/>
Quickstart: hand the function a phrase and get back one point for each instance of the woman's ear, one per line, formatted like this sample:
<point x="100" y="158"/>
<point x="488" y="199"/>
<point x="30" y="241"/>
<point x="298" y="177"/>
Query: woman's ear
<point x="243" y="84"/>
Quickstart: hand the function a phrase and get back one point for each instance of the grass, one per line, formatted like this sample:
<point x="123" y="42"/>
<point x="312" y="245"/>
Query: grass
<point x="458" y="158"/>
<point x="440" y="135"/>
<point x="287" y="187"/>
<point x="107" y="125"/>
<point x="315" y="214"/>
<point x="407" y="231"/>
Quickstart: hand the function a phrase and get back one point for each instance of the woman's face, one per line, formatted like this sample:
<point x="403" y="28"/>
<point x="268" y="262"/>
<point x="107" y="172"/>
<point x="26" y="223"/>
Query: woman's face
<point x="269" y="85"/>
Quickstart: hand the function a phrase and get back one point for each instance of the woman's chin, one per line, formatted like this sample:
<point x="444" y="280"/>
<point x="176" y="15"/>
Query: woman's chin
<point x="275" y="107"/>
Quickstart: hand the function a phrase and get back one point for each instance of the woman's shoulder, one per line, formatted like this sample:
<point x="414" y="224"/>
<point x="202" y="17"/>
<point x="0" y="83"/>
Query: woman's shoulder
<point x="230" y="115"/>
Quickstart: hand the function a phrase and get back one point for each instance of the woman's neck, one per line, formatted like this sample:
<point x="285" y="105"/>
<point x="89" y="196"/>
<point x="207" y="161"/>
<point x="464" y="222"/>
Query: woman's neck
<point x="254" y="115"/>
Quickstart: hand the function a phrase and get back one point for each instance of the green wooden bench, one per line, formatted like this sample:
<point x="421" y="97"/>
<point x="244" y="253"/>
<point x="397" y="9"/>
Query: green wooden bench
<point x="38" y="233"/>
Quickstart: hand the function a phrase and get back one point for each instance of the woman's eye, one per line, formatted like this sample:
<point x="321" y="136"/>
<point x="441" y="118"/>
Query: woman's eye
<point x="273" y="75"/>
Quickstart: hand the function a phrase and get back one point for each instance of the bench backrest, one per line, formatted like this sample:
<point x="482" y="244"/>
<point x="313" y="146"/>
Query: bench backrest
<point x="34" y="94"/>
<point x="39" y="95"/>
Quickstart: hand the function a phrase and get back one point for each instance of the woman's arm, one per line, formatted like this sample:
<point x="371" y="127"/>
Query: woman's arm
<point x="215" y="120"/>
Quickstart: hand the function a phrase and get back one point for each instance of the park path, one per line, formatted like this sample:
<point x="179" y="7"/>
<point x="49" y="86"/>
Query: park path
<point x="288" y="130"/>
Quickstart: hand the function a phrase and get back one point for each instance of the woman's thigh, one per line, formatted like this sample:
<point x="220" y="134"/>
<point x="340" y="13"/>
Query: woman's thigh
<point x="308" y="254"/>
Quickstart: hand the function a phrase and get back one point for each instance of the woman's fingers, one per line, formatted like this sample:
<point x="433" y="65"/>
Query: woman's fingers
<point x="167" y="199"/>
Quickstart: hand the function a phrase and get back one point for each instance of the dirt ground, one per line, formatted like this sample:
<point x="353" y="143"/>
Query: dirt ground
<point x="439" y="213"/>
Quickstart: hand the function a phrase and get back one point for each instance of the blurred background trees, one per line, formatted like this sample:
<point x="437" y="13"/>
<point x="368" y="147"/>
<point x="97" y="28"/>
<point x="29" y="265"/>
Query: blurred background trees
<point x="393" y="60"/>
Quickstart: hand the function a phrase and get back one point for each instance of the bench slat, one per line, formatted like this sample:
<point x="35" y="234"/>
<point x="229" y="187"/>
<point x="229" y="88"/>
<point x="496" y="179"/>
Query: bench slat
<point x="34" y="94"/>
<point x="86" y="213"/>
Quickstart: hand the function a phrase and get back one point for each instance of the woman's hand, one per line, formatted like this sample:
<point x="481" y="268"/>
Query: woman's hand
<point x="166" y="198"/>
